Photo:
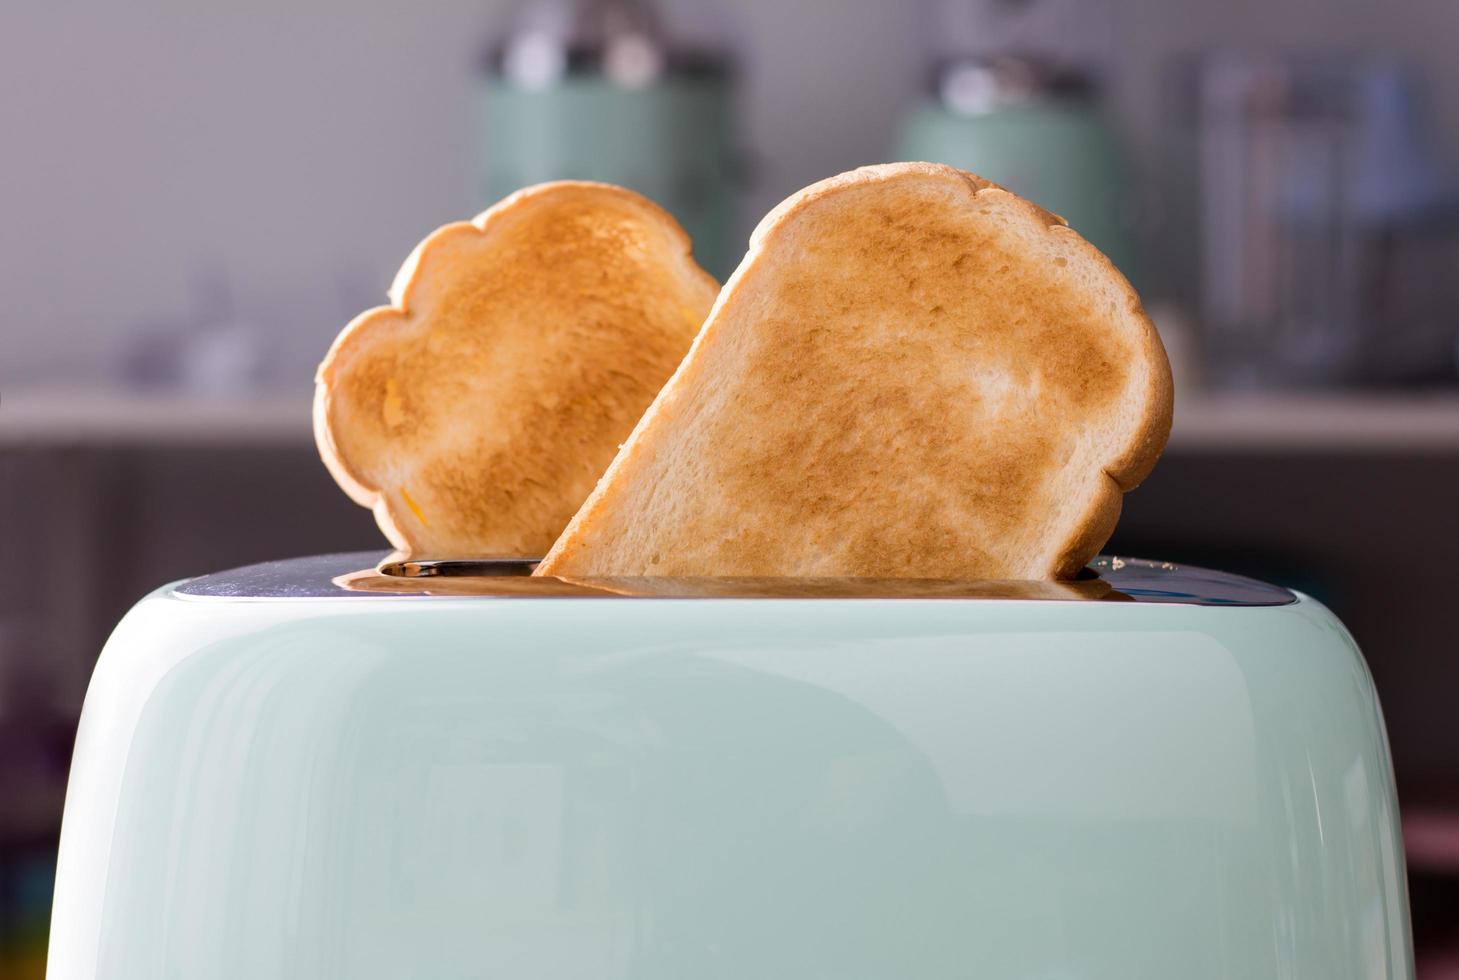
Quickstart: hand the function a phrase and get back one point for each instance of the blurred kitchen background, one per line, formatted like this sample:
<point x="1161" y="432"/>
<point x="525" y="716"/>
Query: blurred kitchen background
<point x="195" y="197"/>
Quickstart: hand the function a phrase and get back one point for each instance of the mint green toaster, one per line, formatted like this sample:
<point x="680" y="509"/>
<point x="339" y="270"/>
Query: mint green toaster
<point x="321" y="769"/>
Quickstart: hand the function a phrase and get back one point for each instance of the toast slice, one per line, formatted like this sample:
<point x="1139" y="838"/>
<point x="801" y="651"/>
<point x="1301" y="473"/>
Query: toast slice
<point x="475" y="412"/>
<point x="913" y="373"/>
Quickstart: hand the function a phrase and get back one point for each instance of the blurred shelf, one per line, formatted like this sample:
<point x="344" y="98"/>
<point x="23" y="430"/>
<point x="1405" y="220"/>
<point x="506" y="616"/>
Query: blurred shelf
<point x="1295" y="423"/>
<point x="1338" y="422"/>
<point x="102" y="417"/>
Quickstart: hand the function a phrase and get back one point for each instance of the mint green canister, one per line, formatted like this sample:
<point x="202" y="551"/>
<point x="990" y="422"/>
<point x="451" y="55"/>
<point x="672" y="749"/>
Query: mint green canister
<point x="1040" y="133"/>
<point x="605" y="91"/>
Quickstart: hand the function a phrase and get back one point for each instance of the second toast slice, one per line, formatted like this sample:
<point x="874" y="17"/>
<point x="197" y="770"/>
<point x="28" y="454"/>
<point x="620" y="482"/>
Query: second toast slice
<point x="913" y="373"/>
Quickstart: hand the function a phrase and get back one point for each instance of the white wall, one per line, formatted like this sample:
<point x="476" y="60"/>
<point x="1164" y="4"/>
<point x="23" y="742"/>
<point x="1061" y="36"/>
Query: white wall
<point x="302" y="148"/>
<point x="302" y="153"/>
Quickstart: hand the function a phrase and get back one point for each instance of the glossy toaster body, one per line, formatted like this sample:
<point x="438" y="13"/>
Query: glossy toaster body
<point x="315" y="769"/>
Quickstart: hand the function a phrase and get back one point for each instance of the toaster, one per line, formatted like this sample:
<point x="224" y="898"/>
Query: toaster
<point x="343" y="766"/>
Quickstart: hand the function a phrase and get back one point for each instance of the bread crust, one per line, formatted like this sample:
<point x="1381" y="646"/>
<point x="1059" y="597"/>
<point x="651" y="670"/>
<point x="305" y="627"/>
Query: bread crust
<point x="474" y="412"/>
<point x="1010" y="296"/>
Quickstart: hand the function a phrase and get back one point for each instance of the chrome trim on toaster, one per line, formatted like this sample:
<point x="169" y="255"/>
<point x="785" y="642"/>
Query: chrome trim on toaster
<point x="365" y="574"/>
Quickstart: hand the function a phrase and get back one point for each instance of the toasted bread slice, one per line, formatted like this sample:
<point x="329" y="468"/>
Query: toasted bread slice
<point x="913" y="372"/>
<point x="475" y="413"/>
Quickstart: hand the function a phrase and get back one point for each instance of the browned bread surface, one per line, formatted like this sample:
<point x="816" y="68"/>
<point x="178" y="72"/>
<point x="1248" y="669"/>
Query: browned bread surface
<point x="475" y="412"/>
<point x="913" y="372"/>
